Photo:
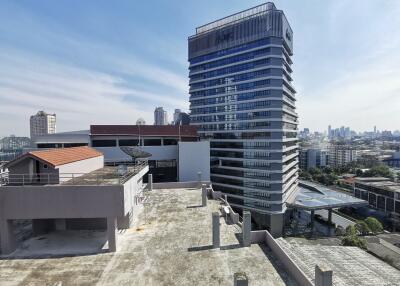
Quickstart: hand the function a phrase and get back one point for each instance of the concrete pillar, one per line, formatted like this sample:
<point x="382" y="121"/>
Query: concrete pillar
<point x="150" y="182"/>
<point x="246" y="229"/>
<point x="7" y="237"/>
<point x="203" y="195"/>
<point x="215" y="230"/>
<point x="199" y="178"/>
<point x="330" y="215"/>
<point x="240" y="279"/>
<point x="276" y="224"/>
<point x="312" y="219"/>
<point x="323" y="275"/>
<point x="111" y="233"/>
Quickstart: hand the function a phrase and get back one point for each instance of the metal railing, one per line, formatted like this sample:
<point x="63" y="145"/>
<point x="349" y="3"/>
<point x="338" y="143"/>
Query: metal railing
<point x="105" y="175"/>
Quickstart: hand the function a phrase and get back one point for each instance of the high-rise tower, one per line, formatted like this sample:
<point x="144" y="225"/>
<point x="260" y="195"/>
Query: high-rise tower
<point x="242" y="99"/>
<point x="42" y="123"/>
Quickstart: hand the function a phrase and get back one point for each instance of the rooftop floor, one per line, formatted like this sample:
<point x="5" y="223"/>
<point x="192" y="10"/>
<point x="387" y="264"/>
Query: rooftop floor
<point x="105" y="176"/>
<point x="350" y="265"/>
<point x="170" y="245"/>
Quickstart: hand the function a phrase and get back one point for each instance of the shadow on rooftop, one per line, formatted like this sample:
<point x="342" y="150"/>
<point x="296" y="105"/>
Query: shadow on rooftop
<point x="200" y="248"/>
<point x="194" y="206"/>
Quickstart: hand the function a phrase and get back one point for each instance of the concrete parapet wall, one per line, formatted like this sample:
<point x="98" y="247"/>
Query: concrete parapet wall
<point x="178" y="185"/>
<point x="40" y="202"/>
<point x="289" y="264"/>
<point x="263" y="236"/>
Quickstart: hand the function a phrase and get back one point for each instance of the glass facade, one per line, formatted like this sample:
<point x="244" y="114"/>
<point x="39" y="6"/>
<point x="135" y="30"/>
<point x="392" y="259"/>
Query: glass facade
<point x="243" y="101"/>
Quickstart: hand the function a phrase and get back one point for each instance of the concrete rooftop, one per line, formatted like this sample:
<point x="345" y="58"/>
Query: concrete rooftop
<point x="169" y="245"/>
<point x="105" y="176"/>
<point x="350" y="265"/>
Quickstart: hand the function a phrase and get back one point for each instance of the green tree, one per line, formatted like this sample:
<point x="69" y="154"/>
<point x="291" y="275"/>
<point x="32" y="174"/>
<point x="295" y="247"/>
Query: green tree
<point x="363" y="228"/>
<point x="374" y="225"/>
<point x="351" y="230"/>
<point x="353" y="240"/>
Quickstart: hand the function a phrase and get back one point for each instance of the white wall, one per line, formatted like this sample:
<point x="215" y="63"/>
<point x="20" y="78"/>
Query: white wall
<point x="167" y="152"/>
<point x="194" y="157"/>
<point x="83" y="166"/>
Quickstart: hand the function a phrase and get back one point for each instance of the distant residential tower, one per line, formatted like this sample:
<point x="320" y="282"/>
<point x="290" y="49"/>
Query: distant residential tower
<point x="42" y="123"/>
<point x="160" y="116"/>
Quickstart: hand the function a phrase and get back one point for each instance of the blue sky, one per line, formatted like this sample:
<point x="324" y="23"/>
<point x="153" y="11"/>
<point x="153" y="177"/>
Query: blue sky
<point x="111" y="62"/>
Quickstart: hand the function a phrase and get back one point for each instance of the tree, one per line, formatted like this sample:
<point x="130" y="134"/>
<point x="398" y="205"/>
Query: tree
<point x="359" y="172"/>
<point x="351" y="230"/>
<point x="339" y="231"/>
<point x="363" y="228"/>
<point x="374" y="225"/>
<point x="353" y="240"/>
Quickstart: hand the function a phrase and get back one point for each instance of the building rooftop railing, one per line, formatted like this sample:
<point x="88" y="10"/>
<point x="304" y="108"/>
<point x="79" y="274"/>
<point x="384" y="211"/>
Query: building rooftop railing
<point x="235" y="17"/>
<point x="109" y="175"/>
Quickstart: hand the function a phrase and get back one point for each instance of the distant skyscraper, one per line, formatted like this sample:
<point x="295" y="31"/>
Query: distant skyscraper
<point x="183" y="119"/>
<point x="242" y="100"/>
<point x="140" y="121"/>
<point x="160" y="116"/>
<point x="176" y="115"/>
<point x="329" y="132"/>
<point x="42" y="123"/>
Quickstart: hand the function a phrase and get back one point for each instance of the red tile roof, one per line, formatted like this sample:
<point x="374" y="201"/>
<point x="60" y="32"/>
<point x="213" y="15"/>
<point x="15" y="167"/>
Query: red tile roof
<point x="61" y="156"/>
<point x="145" y="130"/>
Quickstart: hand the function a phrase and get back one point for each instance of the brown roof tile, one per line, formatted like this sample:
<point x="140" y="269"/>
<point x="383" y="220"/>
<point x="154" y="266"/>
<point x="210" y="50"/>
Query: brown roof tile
<point x="62" y="156"/>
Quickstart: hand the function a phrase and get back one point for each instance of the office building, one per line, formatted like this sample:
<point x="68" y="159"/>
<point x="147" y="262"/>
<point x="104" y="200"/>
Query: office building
<point x="42" y="123"/>
<point x="160" y="116"/>
<point x="312" y="158"/>
<point x="177" y="112"/>
<point x="242" y="99"/>
<point x="183" y="119"/>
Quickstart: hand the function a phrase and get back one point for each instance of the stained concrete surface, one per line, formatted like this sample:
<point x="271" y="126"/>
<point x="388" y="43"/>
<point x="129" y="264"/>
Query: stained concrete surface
<point x="170" y="245"/>
<point x="350" y="265"/>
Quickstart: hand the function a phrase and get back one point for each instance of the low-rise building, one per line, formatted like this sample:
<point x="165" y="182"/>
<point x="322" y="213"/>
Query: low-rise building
<point x="381" y="194"/>
<point x="162" y="142"/>
<point x="68" y="189"/>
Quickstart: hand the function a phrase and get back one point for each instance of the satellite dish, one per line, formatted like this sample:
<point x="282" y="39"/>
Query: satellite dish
<point x="135" y="152"/>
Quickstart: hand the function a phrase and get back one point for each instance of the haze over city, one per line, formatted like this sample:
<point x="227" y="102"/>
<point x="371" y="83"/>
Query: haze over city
<point x="105" y="62"/>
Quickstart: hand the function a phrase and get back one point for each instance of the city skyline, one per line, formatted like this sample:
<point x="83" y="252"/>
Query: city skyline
<point x="83" y="62"/>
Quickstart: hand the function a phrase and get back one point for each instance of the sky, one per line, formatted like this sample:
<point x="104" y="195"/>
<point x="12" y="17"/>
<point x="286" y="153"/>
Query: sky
<point x="111" y="62"/>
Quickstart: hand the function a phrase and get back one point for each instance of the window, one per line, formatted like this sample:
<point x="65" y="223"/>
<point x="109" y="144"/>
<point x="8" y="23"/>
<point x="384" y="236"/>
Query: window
<point x="45" y="166"/>
<point x="128" y="142"/>
<point x="104" y="143"/>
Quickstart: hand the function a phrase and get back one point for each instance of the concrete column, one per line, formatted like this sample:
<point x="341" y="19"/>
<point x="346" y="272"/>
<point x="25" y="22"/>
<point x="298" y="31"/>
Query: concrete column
<point x="203" y="195"/>
<point x="111" y="233"/>
<point x="199" y="178"/>
<point x="323" y="275"/>
<point x="246" y="229"/>
<point x="240" y="279"/>
<point x="215" y="230"/>
<point x="312" y="219"/>
<point x="276" y="224"/>
<point x="330" y="215"/>
<point x="150" y="182"/>
<point x="7" y="237"/>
